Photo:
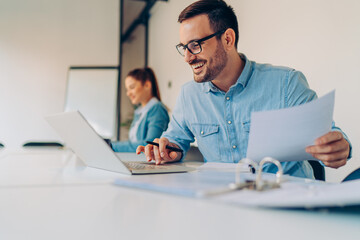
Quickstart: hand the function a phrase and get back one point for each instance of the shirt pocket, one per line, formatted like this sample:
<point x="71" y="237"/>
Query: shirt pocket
<point x="207" y="136"/>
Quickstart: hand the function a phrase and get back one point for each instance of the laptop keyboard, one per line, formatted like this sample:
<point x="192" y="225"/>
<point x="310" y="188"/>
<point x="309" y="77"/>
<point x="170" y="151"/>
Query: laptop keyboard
<point x="143" y="166"/>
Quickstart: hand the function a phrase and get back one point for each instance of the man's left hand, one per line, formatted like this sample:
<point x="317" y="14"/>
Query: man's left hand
<point x="332" y="149"/>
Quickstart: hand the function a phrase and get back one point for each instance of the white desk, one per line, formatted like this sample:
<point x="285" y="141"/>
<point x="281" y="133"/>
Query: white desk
<point x="51" y="195"/>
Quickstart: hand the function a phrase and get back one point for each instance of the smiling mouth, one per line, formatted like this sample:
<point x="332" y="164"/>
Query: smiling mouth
<point x="197" y="66"/>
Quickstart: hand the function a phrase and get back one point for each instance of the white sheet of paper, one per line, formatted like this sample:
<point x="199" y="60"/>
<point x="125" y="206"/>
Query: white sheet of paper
<point x="285" y="133"/>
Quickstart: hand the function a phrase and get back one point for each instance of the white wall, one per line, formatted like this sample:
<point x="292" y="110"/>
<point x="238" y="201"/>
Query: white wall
<point x="133" y="57"/>
<point x="321" y="38"/>
<point x="168" y="65"/>
<point x="39" y="40"/>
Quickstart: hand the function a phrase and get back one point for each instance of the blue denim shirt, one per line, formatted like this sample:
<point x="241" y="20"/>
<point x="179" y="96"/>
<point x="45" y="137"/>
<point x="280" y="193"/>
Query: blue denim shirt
<point x="220" y="121"/>
<point x="151" y="126"/>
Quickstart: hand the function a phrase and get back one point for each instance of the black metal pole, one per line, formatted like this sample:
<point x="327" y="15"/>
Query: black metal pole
<point x="118" y="102"/>
<point x="146" y="25"/>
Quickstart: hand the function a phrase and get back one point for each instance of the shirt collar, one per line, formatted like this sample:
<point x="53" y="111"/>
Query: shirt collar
<point x="243" y="78"/>
<point x="246" y="72"/>
<point x="146" y="108"/>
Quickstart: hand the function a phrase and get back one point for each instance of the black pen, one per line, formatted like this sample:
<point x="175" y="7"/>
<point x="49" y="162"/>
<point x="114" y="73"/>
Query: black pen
<point x="168" y="147"/>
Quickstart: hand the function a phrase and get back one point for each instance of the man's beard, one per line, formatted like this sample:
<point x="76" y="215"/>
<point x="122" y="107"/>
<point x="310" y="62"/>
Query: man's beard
<point x="216" y="64"/>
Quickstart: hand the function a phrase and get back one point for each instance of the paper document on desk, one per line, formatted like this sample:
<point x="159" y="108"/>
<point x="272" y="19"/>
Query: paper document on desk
<point x="213" y="183"/>
<point x="297" y="194"/>
<point x="285" y="133"/>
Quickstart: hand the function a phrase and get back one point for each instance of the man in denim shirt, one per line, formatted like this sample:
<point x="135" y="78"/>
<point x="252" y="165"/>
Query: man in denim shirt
<point x="216" y="107"/>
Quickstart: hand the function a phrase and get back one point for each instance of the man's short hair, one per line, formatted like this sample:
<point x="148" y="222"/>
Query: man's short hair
<point x="221" y="16"/>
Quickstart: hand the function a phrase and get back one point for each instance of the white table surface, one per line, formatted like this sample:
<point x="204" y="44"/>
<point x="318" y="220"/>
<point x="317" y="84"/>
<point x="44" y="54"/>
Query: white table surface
<point x="50" y="194"/>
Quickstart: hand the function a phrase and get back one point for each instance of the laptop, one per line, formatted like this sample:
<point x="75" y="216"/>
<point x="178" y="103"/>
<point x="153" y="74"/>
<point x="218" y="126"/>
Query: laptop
<point x="78" y="135"/>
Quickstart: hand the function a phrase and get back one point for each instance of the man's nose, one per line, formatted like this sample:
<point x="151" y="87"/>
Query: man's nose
<point x="188" y="56"/>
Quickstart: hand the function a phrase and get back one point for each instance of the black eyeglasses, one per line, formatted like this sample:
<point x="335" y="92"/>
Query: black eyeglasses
<point x="195" y="46"/>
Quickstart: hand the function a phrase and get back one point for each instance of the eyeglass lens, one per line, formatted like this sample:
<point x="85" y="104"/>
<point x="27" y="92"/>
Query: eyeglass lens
<point x="193" y="47"/>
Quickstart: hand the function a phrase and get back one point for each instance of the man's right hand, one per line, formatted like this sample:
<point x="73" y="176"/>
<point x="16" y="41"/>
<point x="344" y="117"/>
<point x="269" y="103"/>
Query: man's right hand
<point x="160" y="154"/>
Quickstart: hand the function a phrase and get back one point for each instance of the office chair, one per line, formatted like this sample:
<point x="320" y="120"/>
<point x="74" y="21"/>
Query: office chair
<point x="319" y="171"/>
<point x="354" y="175"/>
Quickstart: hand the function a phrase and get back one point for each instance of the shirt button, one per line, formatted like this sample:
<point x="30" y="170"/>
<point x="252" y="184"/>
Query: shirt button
<point x="234" y="147"/>
<point x="229" y="122"/>
<point x="227" y="98"/>
<point x="202" y="132"/>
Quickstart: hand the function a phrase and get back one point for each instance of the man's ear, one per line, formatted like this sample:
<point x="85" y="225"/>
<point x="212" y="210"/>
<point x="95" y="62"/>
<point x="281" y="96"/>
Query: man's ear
<point x="229" y="38"/>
